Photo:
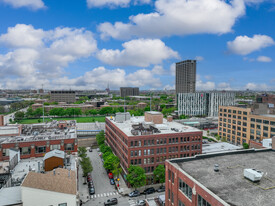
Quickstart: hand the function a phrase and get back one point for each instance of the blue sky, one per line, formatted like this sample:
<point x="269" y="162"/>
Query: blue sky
<point x="86" y="44"/>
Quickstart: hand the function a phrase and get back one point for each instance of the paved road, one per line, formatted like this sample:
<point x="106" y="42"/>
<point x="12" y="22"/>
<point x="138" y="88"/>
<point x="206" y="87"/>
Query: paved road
<point x="104" y="190"/>
<point x="11" y="116"/>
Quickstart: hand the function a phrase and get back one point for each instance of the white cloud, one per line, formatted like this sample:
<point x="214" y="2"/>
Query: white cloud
<point x="158" y="69"/>
<point x="224" y="86"/>
<point x="199" y="58"/>
<point x="200" y="85"/>
<point x="31" y="4"/>
<point x="244" y="45"/>
<point x="114" y="3"/>
<point x="208" y="77"/>
<point x="178" y="17"/>
<point x="264" y="59"/>
<point x="47" y="53"/>
<point x="254" y="86"/>
<point x="138" y="52"/>
<point x="173" y="69"/>
<point x="169" y="87"/>
<point x="23" y="35"/>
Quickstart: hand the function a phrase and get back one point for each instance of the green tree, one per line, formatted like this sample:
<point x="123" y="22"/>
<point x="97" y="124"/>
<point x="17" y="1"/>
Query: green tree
<point x="106" y="154"/>
<point x="104" y="148"/>
<point x="93" y="112"/>
<point x="38" y="112"/>
<point x="2" y="110"/>
<point x="245" y="146"/>
<point x="82" y="152"/>
<point x="29" y="112"/>
<point x="100" y="138"/>
<point x="19" y="115"/>
<point x="106" y="110"/>
<point x="159" y="174"/>
<point x="86" y="166"/>
<point x="136" y="176"/>
<point x="110" y="161"/>
<point x="116" y="169"/>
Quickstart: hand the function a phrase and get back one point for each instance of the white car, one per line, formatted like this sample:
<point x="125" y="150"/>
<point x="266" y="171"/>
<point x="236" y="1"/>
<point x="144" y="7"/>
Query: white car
<point x="98" y="149"/>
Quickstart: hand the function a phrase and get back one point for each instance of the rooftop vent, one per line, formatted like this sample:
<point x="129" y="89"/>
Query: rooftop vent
<point x="216" y="168"/>
<point x="253" y="175"/>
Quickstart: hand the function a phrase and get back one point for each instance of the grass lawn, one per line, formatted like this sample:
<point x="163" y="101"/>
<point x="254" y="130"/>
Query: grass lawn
<point x="78" y="119"/>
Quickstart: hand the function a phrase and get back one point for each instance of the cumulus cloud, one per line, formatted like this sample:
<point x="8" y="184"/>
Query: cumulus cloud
<point x="158" y="69"/>
<point x="200" y="85"/>
<point x="31" y="4"/>
<point x="114" y="3"/>
<point x="99" y="77"/>
<point x="180" y="17"/>
<point x="35" y="52"/>
<point x="264" y="59"/>
<point x="244" y="45"/>
<point x="138" y="52"/>
<point x="254" y="86"/>
<point x="199" y="58"/>
<point x="224" y="86"/>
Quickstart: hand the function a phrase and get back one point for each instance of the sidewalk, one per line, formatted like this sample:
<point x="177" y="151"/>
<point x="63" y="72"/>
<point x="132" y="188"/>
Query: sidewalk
<point x="82" y="188"/>
<point x="124" y="190"/>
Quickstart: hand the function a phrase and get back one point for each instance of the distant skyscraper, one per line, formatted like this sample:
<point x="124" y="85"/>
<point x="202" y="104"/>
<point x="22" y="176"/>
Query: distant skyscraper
<point x="186" y="76"/>
<point x="129" y="91"/>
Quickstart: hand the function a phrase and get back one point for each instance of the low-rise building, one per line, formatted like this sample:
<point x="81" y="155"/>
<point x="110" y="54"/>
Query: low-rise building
<point x="240" y="125"/>
<point x="38" y="139"/>
<point x="218" y="179"/>
<point x="63" y="96"/>
<point x="53" y="159"/>
<point x="58" y="187"/>
<point x="149" y="140"/>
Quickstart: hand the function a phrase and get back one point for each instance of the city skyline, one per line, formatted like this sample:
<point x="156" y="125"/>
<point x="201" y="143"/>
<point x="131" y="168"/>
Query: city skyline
<point x="90" y="44"/>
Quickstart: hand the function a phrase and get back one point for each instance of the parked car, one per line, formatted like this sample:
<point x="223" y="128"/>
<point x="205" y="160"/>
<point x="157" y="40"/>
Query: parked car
<point x="135" y="193"/>
<point x="90" y="184"/>
<point x="91" y="190"/>
<point x="112" y="201"/>
<point x="149" y="190"/>
<point x="98" y="149"/>
<point x="141" y="203"/>
<point x="112" y="181"/>
<point x="90" y="150"/>
<point x="110" y="175"/>
<point x="161" y="188"/>
<point x="89" y="178"/>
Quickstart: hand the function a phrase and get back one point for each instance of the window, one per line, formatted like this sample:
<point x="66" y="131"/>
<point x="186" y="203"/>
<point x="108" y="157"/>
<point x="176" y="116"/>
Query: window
<point x="259" y="121"/>
<point x="265" y="128"/>
<point x="202" y="202"/>
<point x="69" y="147"/>
<point x="185" y="189"/>
<point x="25" y="150"/>
<point x="258" y="126"/>
<point x="173" y="178"/>
<point x="245" y="113"/>
<point x="266" y="122"/>
<point x="40" y="149"/>
<point x="6" y="152"/>
<point x="239" y="112"/>
<point x="55" y="146"/>
<point x="62" y="204"/>
<point x="252" y="125"/>
<point x="172" y="197"/>
<point x="252" y="120"/>
<point x="180" y="203"/>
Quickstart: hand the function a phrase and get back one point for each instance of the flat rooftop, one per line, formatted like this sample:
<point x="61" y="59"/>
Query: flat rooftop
<point x="229" y="183"/>
<point x="165" y="128"/>
<point x="10" y="196"/>
<point x="219" y="147"/>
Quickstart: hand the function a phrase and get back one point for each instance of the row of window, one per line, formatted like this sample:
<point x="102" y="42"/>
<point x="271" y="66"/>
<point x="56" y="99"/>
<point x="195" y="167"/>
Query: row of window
<point x="233" y="116"/>
<point x="234" y="111"/>
<point x="187" y="190"/>
<point x="38" y="149"/>
<point x="163" y="141"/>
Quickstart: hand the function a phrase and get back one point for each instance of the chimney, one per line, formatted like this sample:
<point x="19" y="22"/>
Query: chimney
<point x="169" y="118"/>
<point x="273" y="143"/>
<point x="38" y="167"/>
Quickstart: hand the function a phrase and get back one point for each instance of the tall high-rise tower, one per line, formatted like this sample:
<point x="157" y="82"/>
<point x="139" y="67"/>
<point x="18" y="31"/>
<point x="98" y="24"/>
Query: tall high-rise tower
<point x="186" y="76"/>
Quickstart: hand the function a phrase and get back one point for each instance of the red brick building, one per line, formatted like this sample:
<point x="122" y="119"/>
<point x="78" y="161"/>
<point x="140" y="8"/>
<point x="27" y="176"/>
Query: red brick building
<point x="149" y="143"/>
<point x="194" y="182"/>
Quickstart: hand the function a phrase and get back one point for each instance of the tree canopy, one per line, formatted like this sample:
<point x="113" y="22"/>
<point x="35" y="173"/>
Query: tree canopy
<point x="136" y="176"/>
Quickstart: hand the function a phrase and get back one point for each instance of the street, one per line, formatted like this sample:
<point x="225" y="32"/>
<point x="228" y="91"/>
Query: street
<point x="103" y="189"/>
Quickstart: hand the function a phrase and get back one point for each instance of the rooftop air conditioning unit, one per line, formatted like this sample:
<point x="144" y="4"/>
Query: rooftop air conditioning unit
<point x="253" y="175"/>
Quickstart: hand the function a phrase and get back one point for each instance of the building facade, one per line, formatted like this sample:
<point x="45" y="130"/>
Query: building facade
<point x="63" y="96"/>
<point x="129" y="91"/>
<point x="204" y="103"/>
<point x="239" y="125"/>
<point x="149" y="143"/>
<point x="194" y="182"/>
<point x="186" y="76"/>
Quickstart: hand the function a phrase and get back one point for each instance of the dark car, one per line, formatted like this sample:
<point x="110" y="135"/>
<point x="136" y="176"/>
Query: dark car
<point x="90" y="150"/>
<point x="112" y="201"/>
<point x="112" y="181"/>
<point x="90" y="184"/>
<point x="161" y="189"/>
<point x="91" y="190"/>
<point x="149" y="190"/>
<point x="135" y="193"/>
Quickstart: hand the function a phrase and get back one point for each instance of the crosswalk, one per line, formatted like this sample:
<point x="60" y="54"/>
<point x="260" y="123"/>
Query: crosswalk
<point x="107" y="194"/>
<point x="132" y="202"/>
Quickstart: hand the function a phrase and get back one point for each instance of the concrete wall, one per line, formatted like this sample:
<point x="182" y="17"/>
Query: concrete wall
<point x="35" y="197"/>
